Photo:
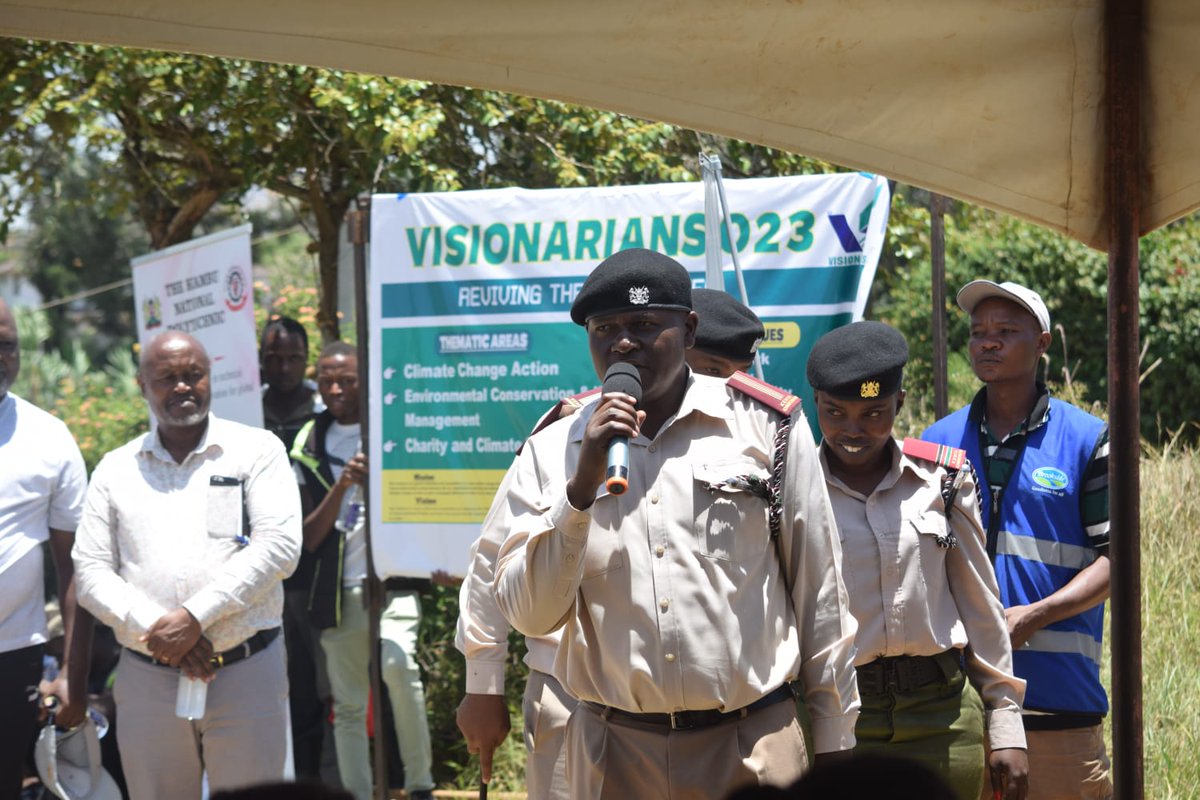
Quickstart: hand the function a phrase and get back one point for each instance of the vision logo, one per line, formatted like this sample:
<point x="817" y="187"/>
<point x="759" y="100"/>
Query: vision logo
<point x="1051" y="478"/>
<point x="853" y="238"/>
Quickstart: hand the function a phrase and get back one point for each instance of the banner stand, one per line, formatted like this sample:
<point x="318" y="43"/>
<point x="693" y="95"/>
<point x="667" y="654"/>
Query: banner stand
<point x="716" y="204"/>
<point x="358" y="227"/>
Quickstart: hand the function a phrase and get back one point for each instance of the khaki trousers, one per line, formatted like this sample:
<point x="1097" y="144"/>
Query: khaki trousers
<point x="1066" y="765"/>
<point x="547" y="707"/>
<point x="243" y="738"/>
<point x="619" y="759"/>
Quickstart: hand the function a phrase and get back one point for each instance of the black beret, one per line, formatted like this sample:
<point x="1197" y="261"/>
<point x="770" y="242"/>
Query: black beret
<point x="727" y="328"/>
<point x="859" y="361"/>
<point x="633" y="279"/>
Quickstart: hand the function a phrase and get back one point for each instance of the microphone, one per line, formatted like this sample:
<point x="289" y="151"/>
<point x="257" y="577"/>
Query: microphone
<point x="624" y="378"/>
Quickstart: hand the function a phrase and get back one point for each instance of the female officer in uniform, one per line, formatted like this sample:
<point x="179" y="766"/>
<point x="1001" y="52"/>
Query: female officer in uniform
<point x="920" y="585"/>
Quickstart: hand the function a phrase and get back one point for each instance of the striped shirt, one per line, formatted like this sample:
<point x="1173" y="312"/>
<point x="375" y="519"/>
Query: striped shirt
<point x="1000" y="459"/>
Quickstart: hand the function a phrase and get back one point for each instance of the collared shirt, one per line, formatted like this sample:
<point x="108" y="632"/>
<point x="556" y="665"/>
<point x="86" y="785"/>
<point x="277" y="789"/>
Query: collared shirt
<point x="671" y="596"/>
<point x="911" y="597"/>
<point x="42" y="480"/>
<point x="1000" y="457"/>
<point x="481" y="634"/>
<point x="154" y="538"/>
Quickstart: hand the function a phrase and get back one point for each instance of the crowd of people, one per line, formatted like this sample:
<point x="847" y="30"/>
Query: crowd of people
<point x="750" y="615"/>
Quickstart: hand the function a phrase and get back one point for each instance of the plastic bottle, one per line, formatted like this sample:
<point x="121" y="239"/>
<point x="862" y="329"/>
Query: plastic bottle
<point x="354" y="509"/>
<point x="190" y="699"/>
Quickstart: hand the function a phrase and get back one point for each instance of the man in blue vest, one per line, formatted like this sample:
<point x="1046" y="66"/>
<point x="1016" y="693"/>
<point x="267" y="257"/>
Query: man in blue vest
<point x="1043" y="465"/>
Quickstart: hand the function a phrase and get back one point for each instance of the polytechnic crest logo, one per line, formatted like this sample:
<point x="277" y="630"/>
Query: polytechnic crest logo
<point x="639" y="295"/>
<point x="236" y="291"/>
<point x="869" y="389"/>
<point x="152" y="312"/>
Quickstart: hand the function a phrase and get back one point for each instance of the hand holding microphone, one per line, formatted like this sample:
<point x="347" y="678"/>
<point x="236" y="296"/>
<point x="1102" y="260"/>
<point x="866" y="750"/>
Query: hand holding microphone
<point x="623" y="378"/>
<point x="606" y="438"/>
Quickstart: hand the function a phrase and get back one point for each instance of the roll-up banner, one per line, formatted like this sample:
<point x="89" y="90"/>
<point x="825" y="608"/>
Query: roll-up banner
<point x="471" y="339"/>
<point x="203" y="287"/>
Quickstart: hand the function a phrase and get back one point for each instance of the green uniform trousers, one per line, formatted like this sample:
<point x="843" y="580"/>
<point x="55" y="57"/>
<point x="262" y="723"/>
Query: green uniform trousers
<point x="940" y="726"/>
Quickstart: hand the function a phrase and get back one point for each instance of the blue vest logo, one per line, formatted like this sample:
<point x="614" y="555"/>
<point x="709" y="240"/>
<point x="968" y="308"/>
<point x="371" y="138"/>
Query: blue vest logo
<point x="1051" y="478"/>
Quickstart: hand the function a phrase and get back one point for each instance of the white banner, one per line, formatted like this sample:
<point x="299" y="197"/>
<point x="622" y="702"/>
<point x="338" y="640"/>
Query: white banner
<point x="203" y="287"/>
<point x="471" y="339"/>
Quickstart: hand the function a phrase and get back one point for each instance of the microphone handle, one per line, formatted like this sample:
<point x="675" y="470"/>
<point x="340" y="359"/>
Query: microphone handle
<point x="616" y="479"/>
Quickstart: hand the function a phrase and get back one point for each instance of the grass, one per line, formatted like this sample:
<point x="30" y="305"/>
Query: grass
<point x="1170" y="503"/>
<point x="1170" y="633"/>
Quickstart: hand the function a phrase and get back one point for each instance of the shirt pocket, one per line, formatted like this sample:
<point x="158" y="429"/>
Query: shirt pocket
<point x="930" y="528"/>
<point x="731" y="510"/>
<point x="603" y="553"/>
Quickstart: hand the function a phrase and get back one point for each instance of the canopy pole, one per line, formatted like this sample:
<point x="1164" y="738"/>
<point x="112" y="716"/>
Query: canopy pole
<point x="358" y="223"/>
<point x="1123" y="20"/>
<point x="937" y="256"/>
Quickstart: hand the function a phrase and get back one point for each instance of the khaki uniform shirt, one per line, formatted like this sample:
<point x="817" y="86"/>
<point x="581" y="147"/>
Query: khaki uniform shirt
<point x="482" y="631"/>
<point x="670" y="596"/>
<point x="912" y="597"/>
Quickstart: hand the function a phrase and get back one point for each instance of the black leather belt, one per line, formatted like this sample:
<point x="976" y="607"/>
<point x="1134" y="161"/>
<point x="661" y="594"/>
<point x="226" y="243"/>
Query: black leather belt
<point x="688" y="720"/>
<point x="906" y="673"/>
<point x="255" y="644"/>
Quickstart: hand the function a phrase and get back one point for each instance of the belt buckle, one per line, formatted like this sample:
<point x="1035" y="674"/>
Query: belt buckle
<point x="679" y="721"/>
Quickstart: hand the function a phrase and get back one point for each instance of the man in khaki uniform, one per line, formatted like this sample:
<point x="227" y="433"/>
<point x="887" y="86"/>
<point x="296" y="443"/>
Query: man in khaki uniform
<point x="683" y="621"/>
<point x="727" y="337"/>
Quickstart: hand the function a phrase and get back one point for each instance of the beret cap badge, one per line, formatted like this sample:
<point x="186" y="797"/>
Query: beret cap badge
<point x="639" y="295"/>
<point x="869" y="389"/>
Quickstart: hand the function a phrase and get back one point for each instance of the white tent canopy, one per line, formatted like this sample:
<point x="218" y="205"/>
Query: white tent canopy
<point x="991" y="101"/>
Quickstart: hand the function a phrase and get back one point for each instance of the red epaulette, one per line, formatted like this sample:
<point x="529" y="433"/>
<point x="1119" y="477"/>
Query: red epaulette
<point x="772" y="396"/>
<point x="940" y="454"/>
<point x="574" y="403"/>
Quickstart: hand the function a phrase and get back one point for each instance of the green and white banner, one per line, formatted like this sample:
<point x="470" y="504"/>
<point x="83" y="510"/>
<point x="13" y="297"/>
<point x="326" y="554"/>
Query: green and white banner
<point x="471" y="340"/>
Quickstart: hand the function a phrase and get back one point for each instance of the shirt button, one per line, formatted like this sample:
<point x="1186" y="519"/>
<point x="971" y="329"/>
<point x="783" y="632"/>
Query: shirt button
<point x="652" y="448"/>
<point x="658" y="551"/>
<point x="654" y="500"/>
<point x="670" y="657"/>
<point x="664" y="604"/>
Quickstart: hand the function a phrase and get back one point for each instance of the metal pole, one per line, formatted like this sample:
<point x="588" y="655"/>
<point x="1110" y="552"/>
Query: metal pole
<point x="1123" y="83"/>
<point x="359" y="227"/>
<point x="937" y="254"/>
<point x="733" y="252"/>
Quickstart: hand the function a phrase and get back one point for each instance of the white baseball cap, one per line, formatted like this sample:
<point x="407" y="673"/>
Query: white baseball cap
<point x="68" y="763"/>
<point x="976" y="292"/>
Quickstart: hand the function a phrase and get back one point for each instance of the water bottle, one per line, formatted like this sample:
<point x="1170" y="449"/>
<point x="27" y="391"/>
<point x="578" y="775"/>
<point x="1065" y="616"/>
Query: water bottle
<point x="190" y="699"/>
<point x="354" y="509"/>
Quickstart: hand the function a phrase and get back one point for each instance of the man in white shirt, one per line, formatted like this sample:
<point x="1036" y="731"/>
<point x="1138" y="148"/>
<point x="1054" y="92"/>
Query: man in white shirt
<point x="187" y="534"/>
<point x="42" y="480"/>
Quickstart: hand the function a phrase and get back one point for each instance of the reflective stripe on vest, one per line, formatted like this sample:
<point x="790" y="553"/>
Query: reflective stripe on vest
<point x="1056" y="554"/>
<point x="1048" y="641"/>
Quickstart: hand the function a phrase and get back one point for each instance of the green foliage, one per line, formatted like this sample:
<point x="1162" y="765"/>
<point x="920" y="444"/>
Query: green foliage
<point x="103" y="408"/>
<point x="74" y="246"/>
<point x="444" y="675"/>
<point x="1072" y="279"/>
